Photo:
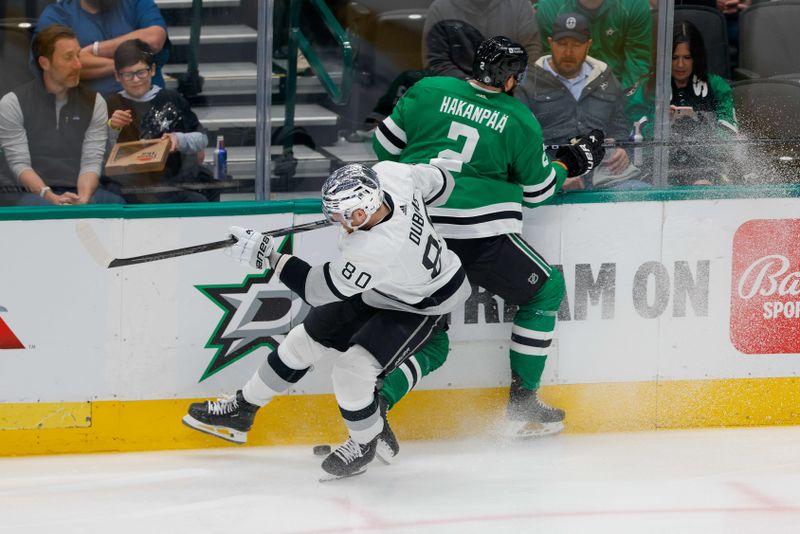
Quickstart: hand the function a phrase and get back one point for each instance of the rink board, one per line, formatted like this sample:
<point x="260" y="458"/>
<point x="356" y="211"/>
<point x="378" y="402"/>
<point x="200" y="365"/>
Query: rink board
<point x="663" y="326"/>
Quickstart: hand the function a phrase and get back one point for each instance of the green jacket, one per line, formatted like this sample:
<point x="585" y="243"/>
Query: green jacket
<point x="621" y="33"/>
<point x="690" y="159"/>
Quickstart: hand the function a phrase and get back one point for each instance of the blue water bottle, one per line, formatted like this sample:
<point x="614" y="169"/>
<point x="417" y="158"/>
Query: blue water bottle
<point x="220" y="160"/>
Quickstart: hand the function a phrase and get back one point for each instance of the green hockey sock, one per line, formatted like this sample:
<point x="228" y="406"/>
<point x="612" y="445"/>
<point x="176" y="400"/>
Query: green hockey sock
<point x="532" y="333"/>
<point x="403" y="379"/>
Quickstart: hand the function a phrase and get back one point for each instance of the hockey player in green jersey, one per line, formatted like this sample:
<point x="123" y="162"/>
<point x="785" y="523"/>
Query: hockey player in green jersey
<point x="493" y="146"/>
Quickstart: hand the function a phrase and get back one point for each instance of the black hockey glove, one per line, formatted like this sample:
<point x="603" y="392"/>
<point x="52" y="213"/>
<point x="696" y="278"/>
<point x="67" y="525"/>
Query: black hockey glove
<point x="583" y="153"/>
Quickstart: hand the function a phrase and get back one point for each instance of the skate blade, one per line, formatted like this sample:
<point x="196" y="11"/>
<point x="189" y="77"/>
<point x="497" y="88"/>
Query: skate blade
<point x="329" y="477"/>
<point x="531" y="429"/>
<point x="228" y="434"/>
<point x="384" y="453"/>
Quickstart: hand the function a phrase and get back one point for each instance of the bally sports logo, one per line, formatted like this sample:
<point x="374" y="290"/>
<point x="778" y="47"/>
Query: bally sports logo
<point x="765" y="292"/>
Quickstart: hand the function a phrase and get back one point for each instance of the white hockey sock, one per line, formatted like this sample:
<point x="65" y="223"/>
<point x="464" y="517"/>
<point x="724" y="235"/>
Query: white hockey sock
<point x="257" y="392"/>
<point x="354" y="376"/>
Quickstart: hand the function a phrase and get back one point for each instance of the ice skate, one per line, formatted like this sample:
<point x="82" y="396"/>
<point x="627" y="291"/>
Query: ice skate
<point x="527" y="416"/>
<point x="388" y="447"/>
<point x="349" y="459"/>
<point x="229" y="417"/>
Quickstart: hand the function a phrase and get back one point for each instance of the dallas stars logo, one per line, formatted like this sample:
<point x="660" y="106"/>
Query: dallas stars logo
<point x="257" y="313"/>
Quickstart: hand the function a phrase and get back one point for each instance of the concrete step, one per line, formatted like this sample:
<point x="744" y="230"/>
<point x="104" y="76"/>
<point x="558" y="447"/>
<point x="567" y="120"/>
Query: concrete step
<point x="239" y="77"/>
<point x="217" y="117"/>
<point x="185" y="4"/>
<point x="310" y="163"/>
<point x="242" y="161"/>
<point x="358" y="152"/>
<point x="215" y="35"/>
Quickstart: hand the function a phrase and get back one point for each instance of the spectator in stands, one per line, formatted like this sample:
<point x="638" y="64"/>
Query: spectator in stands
<point x="621" y="32"/>
<point x="101" y="26"/>
<point x="701" y="112"/>
<point x="143" y="110"/>
<point x="570" y="92"/>
<point x="454" y="29"/>
<point x="53" y="129"/>
<point x="731" y="10"/>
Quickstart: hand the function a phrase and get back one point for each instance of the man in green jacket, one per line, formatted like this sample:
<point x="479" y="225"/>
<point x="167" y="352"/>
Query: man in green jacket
<point x="621" y="32"/>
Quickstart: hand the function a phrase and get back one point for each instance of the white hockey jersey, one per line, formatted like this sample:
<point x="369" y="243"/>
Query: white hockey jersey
<point x="400" y="263"/>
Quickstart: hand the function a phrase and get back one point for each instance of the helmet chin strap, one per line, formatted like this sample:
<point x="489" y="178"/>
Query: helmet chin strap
<point x="356" y="227"/>
<point x="367" y="219"/>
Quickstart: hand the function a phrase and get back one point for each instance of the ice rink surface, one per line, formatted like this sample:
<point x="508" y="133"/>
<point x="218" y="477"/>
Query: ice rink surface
<point x="709" y="481"/>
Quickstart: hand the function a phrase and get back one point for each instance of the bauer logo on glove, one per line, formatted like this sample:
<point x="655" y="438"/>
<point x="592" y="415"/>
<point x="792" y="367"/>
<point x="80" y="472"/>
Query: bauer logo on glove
<point x="252" y="248"/>
<point x="264" y="250"/>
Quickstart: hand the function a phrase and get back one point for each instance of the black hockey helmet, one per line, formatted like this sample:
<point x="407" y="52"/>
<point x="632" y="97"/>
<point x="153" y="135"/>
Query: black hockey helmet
<point x="497" y="58"/>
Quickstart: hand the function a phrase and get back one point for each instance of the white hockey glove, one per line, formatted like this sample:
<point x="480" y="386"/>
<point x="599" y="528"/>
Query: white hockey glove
<point x="252" y="248"/>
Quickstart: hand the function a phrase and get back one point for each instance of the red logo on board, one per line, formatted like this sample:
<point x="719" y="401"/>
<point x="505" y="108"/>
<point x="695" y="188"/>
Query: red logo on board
<point x="765" y="287"/>
<point x="8" y="340"/>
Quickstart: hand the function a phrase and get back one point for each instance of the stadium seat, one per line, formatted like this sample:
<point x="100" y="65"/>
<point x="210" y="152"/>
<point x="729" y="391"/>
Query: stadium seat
<point x="768" y="45"/>
<point x="15" y="44"/>
<point x="714" y="30"/>
<point x="768" y="107"/>
<point x="768" y="111"/>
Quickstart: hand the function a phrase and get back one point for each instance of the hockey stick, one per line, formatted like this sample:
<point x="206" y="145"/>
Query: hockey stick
<point x="92" y="244"/>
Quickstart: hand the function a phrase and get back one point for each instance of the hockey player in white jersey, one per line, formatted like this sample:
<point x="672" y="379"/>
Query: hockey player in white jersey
<point x="373" y="307"/>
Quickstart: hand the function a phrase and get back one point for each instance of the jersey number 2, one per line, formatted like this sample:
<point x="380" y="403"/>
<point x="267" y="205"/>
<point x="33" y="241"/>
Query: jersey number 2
<point x="452" y="160"/>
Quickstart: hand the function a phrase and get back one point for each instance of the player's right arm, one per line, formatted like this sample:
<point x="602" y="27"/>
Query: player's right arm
<point x="332" y="281"/>
<point x="434" y="182"/>
<point x="539" y="177"/>
<point x="389" y="138"/>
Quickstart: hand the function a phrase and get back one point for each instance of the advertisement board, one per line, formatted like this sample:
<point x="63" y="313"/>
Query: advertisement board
<point x="657" y="294"/>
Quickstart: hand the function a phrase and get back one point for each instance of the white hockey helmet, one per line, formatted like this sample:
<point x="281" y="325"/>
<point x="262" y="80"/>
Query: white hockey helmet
<point x="354" y="186"/>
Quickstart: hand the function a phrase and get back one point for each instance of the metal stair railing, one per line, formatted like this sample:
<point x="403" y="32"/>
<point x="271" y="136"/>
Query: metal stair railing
<point x="339" y="94"/>
<point x="191" y="83"/>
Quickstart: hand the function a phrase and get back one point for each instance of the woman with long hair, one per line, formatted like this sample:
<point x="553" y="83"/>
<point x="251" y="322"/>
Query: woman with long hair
<point x="701" y="109"/>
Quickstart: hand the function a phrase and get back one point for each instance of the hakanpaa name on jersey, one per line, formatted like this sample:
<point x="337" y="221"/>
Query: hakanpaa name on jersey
<point x="402" y="263"/>
<point x="478" y="114"/>
<point x="394" y="139"/>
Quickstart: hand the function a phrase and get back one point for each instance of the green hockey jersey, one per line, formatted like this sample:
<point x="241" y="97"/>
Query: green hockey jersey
<point x="489" y="141"/>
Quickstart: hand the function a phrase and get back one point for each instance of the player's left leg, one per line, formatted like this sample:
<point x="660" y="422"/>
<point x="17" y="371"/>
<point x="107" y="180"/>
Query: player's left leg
<point x="531" y="336"/>
<point x="509" y="267"/>
<point x="231" y="417"/>
<point x="429" y="358"/>
<point x="402" y="380"/>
